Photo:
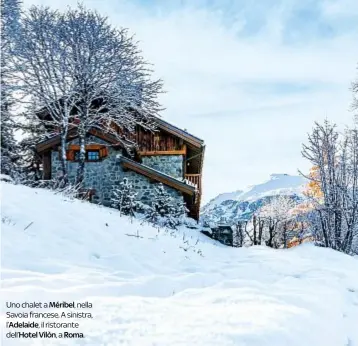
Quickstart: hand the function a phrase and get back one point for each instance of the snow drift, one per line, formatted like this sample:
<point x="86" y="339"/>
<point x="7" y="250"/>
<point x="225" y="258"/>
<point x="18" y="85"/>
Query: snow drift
<point x="169" y="288"/>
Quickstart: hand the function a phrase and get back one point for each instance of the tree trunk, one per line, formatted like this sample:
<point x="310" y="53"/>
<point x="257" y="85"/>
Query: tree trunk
<point x="338" y="229"/>
<point x="82" y="158"/>
<point x="271" y="227"/>
<point x="254" y="221"/>
<point x="324" y="229"/>
<point x="285" y="235"/>
<point x="261" y="226"/>
<point x="63" y="158"/>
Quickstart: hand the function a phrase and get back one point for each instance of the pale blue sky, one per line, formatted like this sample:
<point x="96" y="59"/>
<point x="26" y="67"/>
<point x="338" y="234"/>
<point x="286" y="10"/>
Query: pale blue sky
<point x="249" y="77"/>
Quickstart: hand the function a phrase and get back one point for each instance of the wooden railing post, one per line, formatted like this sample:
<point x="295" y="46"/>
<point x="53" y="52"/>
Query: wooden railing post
<point x="195" y="179"/>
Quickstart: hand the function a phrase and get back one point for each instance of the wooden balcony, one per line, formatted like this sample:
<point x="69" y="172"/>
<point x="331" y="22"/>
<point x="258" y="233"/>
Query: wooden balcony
<point x="194" y="205"/>
<point x="194" y="179"/>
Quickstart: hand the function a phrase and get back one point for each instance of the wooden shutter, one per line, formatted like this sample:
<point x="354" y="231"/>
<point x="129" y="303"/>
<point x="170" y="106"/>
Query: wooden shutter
<point x="70" y="155"/>
<point x="103" y="152"/>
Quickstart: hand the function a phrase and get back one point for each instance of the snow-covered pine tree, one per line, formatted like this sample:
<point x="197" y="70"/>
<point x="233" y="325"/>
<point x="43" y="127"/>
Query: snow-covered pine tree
<point x="179" y="211"/>
<point x="10" y="24"/>
<point x="165" y="211"/>
<point x="125" y="198"/>
<point x="159" y="207"/>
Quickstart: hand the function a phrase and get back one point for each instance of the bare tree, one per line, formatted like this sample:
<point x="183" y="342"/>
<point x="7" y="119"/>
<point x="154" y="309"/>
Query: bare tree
<point x="355" y="99"/>
<point x="271" y="224"/>
<point x="47" y="91"/>
<point x="278" y="219"/>
<point x="83" y="73"/>
<point x="336" y="157"/>
<point x="348" y="188"/>
<point x="239" y="234"/>
<point x="112" y="80"/>
<point x="261" y="225"/>
<point x="10" y="27"/>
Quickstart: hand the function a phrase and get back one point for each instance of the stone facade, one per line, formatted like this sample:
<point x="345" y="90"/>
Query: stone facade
<point x="106" y="175"/>
<point x="168" y="164"/>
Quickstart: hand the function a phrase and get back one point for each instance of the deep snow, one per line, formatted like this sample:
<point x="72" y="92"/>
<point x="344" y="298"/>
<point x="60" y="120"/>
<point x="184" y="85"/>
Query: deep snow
<point x="158" y="289"/>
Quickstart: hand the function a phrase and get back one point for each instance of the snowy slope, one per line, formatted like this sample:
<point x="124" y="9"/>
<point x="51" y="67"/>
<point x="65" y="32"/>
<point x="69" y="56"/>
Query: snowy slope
<point x="232" y="206"/>
<point x="157" y="289"/>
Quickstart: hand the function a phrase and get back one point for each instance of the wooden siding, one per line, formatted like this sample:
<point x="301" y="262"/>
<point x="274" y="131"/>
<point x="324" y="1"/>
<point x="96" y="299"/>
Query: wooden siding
<point x="177" y="132"/>
<point x="165" y="152"/>
<point x="56" y="140"/>
<point x="153" y="141"/>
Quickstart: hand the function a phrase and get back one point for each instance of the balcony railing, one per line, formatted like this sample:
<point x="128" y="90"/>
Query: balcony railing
<point x="194" y="179"/>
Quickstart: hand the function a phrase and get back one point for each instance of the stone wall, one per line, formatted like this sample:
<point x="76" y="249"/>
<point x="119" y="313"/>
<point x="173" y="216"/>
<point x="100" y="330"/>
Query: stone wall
<point x="106" y="175"/>
<point x="168" y="164"/>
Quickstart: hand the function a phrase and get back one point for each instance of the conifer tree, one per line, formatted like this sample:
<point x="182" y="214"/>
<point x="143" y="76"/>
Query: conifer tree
<point x="124" y="198"/>
<point x="165" y="210"/>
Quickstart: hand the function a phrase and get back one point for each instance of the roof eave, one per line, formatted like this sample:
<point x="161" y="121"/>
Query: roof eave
<point x="186" y="136"/>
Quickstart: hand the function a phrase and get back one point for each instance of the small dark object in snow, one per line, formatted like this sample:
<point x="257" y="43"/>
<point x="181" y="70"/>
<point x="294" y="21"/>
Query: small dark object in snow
<point x="28" y="225"/>
<point x="134" y="235"/>
<point x="107" y="224"/>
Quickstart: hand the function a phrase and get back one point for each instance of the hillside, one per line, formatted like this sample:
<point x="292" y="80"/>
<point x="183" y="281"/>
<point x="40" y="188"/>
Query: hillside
<point x="239" y="205"/>
<point x="169" y="289"/>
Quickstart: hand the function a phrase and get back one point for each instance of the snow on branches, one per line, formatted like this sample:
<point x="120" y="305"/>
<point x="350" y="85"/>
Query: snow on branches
<point x="165" y="210"/>
<point x="271" y="225"/>
<point x="280" y="220"/>
<point x="82" y="73"/>
<point x="334" y="216"/>
<point x="125" y="198"/>
<point x="10" y="24"/>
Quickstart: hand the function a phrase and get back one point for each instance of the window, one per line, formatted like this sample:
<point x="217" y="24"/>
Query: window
<point x="92" y="155"/>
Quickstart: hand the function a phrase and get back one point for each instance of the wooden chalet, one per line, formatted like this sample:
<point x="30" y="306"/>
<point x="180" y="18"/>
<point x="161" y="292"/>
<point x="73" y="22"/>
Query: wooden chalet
<point x="167" y="140"/>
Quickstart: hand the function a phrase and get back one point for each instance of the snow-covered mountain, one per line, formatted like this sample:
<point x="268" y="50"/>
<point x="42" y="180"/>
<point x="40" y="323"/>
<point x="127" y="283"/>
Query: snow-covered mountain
<point x="232" y="206"/>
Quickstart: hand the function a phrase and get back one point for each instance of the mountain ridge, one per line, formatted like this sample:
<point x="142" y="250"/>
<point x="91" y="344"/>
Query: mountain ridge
<point x="240" y="204"/>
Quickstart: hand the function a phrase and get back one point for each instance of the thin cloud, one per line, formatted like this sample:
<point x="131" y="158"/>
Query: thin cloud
<point x="241" y="76"/>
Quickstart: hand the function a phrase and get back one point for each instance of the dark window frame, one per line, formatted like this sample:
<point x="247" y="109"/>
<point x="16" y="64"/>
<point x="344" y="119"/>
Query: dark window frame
<point x="98" y="158"/>
<point x="76" y="152"/>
